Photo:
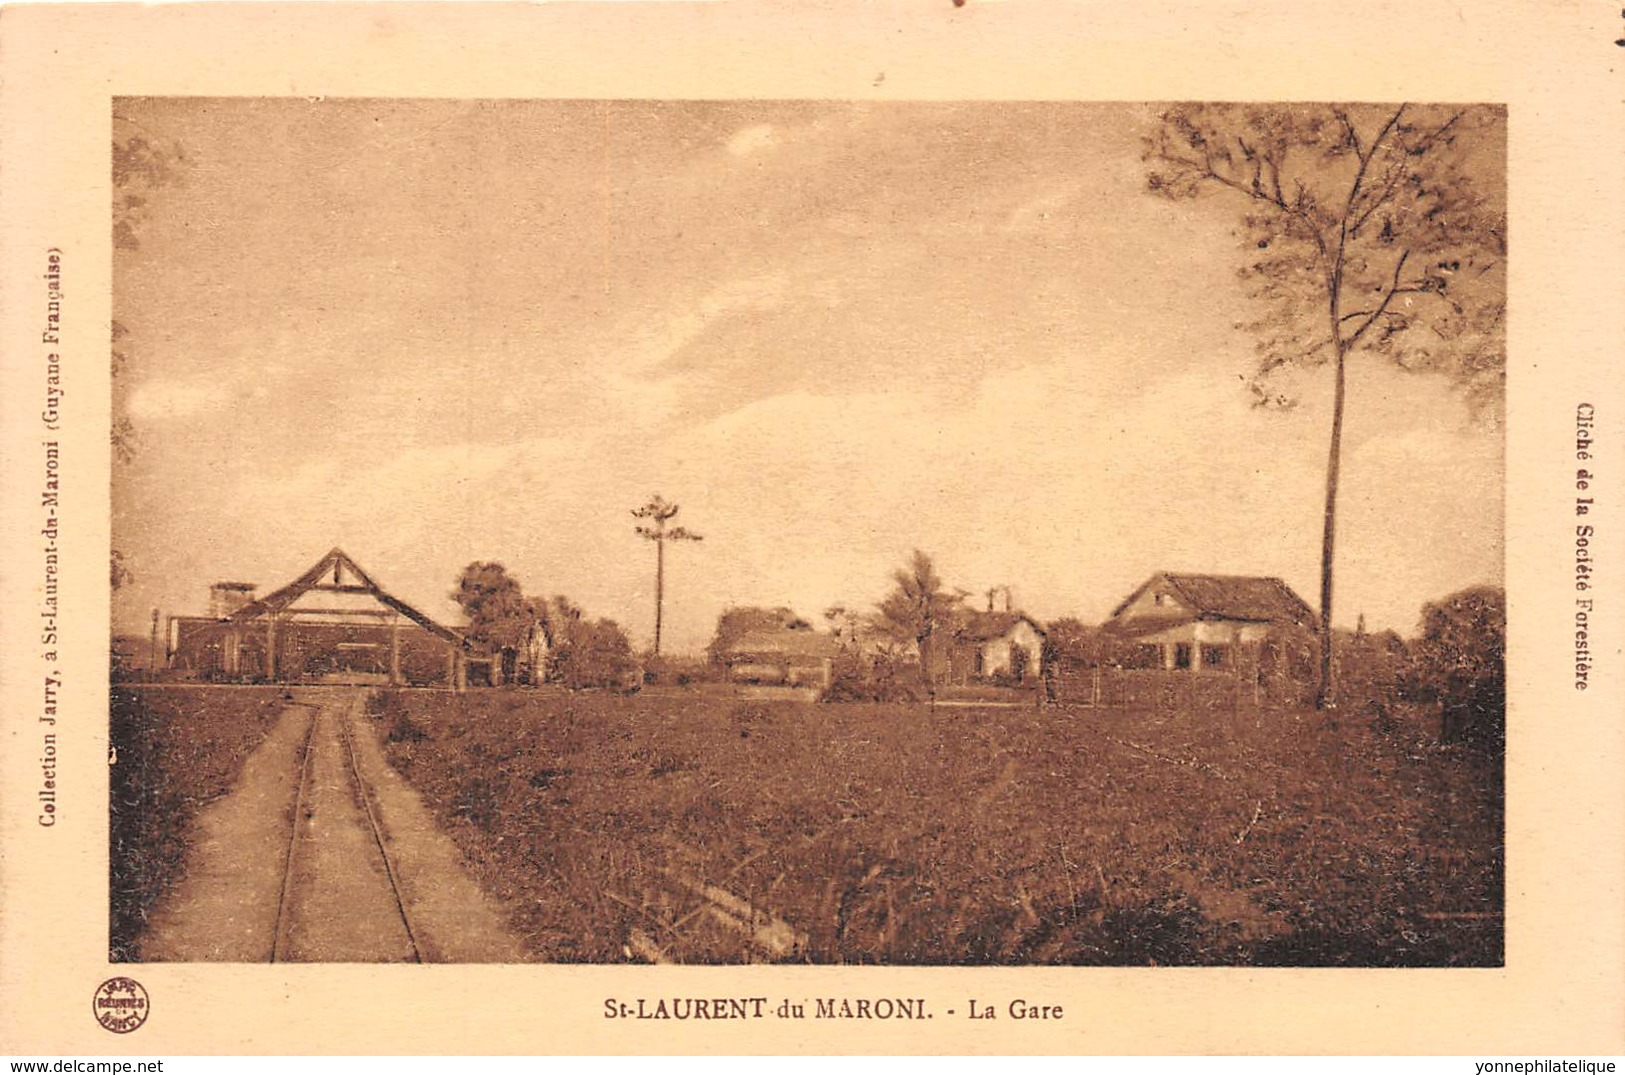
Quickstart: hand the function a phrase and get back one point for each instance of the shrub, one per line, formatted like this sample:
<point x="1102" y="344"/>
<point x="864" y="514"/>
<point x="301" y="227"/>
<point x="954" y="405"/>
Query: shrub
<point x="592" y="653"/>
<point x="1370" y="671"/>
<point x="1460" y="663"/>
<point x="680" y="671"/>
<point x="856" y="678"/>
<point x="405" y="730"/>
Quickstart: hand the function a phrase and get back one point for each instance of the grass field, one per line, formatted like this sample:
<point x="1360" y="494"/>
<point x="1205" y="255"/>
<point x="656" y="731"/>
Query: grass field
<point x="693" y="827"/>
<point x="176" y="748"/>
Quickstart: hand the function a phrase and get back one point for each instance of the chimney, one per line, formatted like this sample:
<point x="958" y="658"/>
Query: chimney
<point x="227" y="597"/>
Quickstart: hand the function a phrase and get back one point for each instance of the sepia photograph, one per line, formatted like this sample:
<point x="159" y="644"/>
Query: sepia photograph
<point x="936" y="533"/>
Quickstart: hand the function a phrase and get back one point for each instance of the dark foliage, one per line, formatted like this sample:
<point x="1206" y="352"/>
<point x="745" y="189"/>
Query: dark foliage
<point x="668" y="671"/>
<point x="591" y="653"/>
<point x="499" y="615"/>
<point x="876" y="677"/>
<point x="736" y="623"/>
<point x="917" y="612"/>
<point x="1460" y="663"/>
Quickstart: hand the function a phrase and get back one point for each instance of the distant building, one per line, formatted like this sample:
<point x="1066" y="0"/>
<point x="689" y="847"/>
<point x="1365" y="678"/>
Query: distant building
<point x="1005" y="646"/>
<point x="782" y="656"/>
<point x="1214" y="623"/>
<point x="333" y="624"/>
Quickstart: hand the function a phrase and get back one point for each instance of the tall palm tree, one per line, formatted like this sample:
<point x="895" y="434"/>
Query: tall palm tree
<point x="660" y="512"/>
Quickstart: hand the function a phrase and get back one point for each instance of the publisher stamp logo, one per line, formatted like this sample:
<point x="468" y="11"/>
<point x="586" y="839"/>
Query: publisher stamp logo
<point x="121" y="1004"/>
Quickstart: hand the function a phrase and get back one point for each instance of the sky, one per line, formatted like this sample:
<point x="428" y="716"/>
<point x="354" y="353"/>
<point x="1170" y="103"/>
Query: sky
<point x="433" y="332"/>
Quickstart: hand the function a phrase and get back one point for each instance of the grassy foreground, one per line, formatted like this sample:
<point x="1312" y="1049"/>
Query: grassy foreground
<point x="896" y="834"/>
<point x="176" y="749"/>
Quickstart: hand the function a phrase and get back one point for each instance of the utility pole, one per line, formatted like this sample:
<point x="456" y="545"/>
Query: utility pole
<point x="152" y="649"/>
<point x="659" y="512"/>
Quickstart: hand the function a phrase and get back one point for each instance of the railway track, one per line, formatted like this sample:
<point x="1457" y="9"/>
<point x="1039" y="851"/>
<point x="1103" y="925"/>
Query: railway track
<point x="340" y="898"/>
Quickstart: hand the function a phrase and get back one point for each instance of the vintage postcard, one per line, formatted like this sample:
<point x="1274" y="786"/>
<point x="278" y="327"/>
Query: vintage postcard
<point x="926" y="528"/>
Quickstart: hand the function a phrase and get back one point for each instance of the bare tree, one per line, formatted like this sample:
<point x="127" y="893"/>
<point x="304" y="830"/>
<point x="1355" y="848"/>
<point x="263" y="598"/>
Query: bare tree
<point x="660" y="512"/>
<point x="1364" y="231"/>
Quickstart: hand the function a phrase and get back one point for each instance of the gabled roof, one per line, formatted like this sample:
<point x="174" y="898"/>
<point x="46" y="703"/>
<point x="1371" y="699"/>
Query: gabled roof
<point x="1228" y="597"/>
<point x="784" y="643"/>
<point x="346" y="577"/>
<point x="983" y="626"/>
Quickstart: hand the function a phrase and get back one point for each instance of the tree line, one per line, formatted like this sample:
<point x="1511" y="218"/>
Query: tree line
<point x="1457" y="664"/>
<point x="1365" y="233"/>
<point x="888" y="652"/>
<point x="540" y="639"/>
<point x="552" y="640"/>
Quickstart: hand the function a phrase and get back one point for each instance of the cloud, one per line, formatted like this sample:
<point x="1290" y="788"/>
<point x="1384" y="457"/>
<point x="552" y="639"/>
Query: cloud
<point x="752" y="139"/>
<point x="643" y="403"/>
<point x="664" y="338"/>
<point x="832" y="332"/>
<point x="410" y="482"/>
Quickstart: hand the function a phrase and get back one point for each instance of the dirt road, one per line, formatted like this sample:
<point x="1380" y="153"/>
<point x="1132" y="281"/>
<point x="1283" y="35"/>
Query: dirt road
<point x="321" y="853"/>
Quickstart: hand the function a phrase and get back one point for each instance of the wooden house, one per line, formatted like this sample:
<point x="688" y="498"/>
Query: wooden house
<point x="333" y="624"/>
<point x="1214" y="623"/>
